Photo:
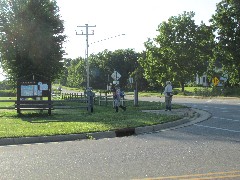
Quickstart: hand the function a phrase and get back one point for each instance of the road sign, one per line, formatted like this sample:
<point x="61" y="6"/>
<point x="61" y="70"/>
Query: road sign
<point x="115" y="82"/>
<point x="116" y="76"/>
<point x="215" y="81"/>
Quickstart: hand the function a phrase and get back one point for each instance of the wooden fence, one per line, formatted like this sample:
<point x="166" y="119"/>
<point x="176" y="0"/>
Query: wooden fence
<point x="105" y="98"/>
<point x="85" y="102"/>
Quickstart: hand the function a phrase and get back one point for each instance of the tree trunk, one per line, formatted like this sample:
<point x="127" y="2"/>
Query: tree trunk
<point x="182" y="86"/>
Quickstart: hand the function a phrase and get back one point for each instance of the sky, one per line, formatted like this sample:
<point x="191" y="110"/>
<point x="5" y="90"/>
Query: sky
<point x="138" y="20"/>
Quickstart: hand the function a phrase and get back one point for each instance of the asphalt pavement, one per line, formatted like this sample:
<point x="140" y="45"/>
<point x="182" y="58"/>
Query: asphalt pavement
<point x="195" y="149"/>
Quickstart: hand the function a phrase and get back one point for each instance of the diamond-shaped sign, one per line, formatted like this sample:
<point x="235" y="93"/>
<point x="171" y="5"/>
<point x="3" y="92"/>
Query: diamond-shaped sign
<point x="215" y="81"/>
<point x="115" y="75"/>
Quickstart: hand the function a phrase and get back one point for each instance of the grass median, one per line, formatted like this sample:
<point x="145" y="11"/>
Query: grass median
<point x="74" y="120"/>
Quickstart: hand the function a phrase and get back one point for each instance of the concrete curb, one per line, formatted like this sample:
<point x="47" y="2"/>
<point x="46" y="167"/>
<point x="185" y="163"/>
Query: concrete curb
<point x="101" y="135"/>
<point x="41" y="139"/>
<point x="196" y="117"/>
<point x="199" y="116"/>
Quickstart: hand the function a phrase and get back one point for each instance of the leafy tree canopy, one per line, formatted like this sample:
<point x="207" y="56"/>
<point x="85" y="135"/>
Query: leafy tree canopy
<point x="180" y="51"/>
<point x="31" y="38"/>
<point x="103" y="64"/>
<point x="226" y="23"/>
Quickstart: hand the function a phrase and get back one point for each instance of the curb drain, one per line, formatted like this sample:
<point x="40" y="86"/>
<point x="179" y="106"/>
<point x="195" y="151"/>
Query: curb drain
<point x="125" y="132"/>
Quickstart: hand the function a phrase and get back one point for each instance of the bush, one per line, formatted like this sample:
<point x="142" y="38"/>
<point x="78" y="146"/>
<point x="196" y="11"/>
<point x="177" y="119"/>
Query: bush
<point x="217" y="91"/>
<point x="7" y="93"/>
<point x="203" y="91"/>
<point x="234" y="91"/>
<point x="175" y="91"/>
<point x="193" y="84"/>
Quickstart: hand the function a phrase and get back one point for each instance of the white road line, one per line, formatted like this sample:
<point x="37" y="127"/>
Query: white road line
<point x="227" y="119"/>
<point x="229" y="130"/>
<point x="220" y="108"/>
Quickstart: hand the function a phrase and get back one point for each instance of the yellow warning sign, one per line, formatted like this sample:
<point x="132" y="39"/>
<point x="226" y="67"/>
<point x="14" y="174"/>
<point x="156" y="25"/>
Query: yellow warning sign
<point x="215" y="81"/>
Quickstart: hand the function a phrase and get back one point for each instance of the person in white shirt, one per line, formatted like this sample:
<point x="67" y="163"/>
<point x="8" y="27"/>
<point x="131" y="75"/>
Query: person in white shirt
<point x="168" y="96"/>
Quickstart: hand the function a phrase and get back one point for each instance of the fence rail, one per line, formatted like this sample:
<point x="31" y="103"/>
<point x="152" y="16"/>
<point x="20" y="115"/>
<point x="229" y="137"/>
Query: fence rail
<point x="86" y="102"/>
<point x="105" y="98"/>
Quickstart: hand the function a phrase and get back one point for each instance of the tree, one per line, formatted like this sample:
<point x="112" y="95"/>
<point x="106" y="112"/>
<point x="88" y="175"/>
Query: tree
<point x="104" y="63"/>
<point x="76" y="73"/>
<point x="180" y="51"/>
<point x="226" y="23"/>
<point x="64" y="74"/>
<point x="99" y="69"/>
<point x="31" y="38"/>
<point x="154" y="65"/>
<point x="139" y="81"/>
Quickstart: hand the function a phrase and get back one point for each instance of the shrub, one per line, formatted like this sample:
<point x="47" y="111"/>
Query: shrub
<point x="7" y="93"/>
<point x="203" y="91"/>
<point x="233" y="91"/>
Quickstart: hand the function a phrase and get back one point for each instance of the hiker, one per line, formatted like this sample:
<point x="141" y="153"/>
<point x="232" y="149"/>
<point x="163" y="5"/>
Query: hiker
<point x="168" y="96"/>
<point x="116" y="98"/>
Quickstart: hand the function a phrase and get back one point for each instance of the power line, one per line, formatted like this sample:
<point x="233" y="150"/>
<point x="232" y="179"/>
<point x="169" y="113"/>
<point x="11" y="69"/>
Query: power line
<point x="107" y="38"/>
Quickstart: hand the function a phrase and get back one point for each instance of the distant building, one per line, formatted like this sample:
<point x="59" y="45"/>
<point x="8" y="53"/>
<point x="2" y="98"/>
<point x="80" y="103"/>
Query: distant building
<point x="202" y="80"/>
<point x="220" y="74"/>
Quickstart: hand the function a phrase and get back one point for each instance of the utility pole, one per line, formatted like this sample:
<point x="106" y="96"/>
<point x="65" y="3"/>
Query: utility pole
<point x="87" y="34"/>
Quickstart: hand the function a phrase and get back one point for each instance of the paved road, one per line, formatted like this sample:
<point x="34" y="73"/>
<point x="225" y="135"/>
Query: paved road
<point x="207" y="149"/>
<point x="225" y="120"/>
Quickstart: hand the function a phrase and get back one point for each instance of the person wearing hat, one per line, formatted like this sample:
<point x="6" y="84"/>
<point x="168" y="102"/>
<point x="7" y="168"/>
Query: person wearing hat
<point x="168" y="96"/>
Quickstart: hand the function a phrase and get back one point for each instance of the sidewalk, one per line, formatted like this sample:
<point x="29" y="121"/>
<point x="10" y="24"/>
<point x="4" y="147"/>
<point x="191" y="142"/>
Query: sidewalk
<point x="189" y="116"/>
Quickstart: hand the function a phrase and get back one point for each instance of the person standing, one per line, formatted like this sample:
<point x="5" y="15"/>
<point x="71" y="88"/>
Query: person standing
<point x="168" y="96"/>
<point x="116" y="98"/>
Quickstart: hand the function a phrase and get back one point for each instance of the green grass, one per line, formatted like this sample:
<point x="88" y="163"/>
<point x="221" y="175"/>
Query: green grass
<point x="68" y="121"/>
<point x="55" y="86"/>
<point x="148" y="94"/>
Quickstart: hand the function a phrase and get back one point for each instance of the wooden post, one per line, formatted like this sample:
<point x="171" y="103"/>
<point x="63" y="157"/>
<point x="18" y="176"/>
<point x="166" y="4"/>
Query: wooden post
<point x="90" y="100"/>
<point x="136" y="96"/>
<point x="18" y="95"/>
<point x="106" y="100"/>
<point x="100" y="96"/>
<point x="49" y="98"/>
